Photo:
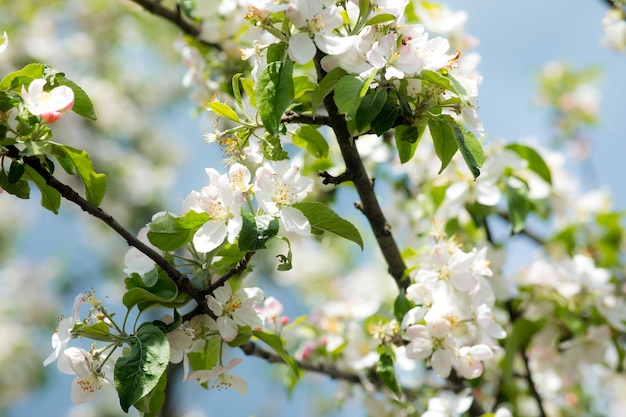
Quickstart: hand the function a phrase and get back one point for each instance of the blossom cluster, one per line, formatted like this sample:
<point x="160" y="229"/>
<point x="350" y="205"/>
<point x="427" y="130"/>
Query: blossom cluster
<point x="453" y="323"/>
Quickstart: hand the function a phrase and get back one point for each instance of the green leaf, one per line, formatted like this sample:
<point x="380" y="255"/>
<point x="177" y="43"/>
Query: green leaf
<point x="96" y="331"/>
<point x="16" y="170"/>
<point x="50" y="198"/>
<point x="535" y="161"/>
<point x="386" y="118"/>
<point x="379" y="19"/>
<point x="256" y="231"/>
<point x="139" y="373"/>
<point x="407" y="139"/>
<point x="272" y="148"/>
<point x="274" y="93"/>
<point x="244" y="333"/>
<point x="206" y="358"/>
<point x="170" y="233"/>
<point x="163" y="292"/>
<point x="70" y="158"/>
<point x="470" y="149"/>
<point x="309" y="138"/>
<point x="519" y="205"/>
<point x="401" y="306"/>
<point x="276" y="52"/>
<point x="370" y="107"/>
<point x="223" y="109"/>
<point x="325" y="86"/>
<point x="348" y="95"/>
<point x="303" y="84"/>
<point x="324" y="218"/>
<point x="448" y="82"/>
<point x="20" y="189"/>
<point x="82" y="104"/>
<point x="386" y="372"/>
<point x="278" y="345"/>
<point x="27" y="74"/>
<point x="443" y="139"/>
<point x="151" y="404"/>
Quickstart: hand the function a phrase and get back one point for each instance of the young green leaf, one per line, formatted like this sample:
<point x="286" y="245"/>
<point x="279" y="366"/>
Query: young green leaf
<point x="138" y="373"/>
<point x="386" y="372"/>
<point x="274" y="93"/>
<point x="443" y="139"/>
<point x="407" y="139"/>
<point x="309" y="138"/>
<point x="325" y="86"/>
<point x="470" y="149"/>
<point x="223" y="109"/>
<point x="20" y="189"/>
<point x="519" y="206"/>
<point x="380" y="19"/>
<point x="386" y="118"/>
<point x="348" y="95"/>
<point x="324" y="218"/>
<point x="278" y="345"/>
<point x="152" y="403"/>
<point x="535" y="161"/>
<point x="27" y="74"/>
<point x="170" y="233"/>
<point x="162" y="292"/>
<point x="50" y="197"/>
<point x="370" y="107"/>
<point x="256" y="230"/>
<point x="272" y="148"/>
<point x="70" y="158"/>
<point x="82" y="104"/>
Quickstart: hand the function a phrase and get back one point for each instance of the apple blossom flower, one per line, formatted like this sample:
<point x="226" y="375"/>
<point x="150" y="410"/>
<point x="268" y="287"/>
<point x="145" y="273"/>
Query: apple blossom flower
<point x="223" y="379"/>
<point x="235" y="309"/>
<point x="614" y="27"/>
<point x="5" y="42"/>
<point x="135" y="260"/>
<point x="313" y="19"/>
<point x="191" y="336"/>
<point x="50" y="105"/>
<point x="278" y="185"/>
<point x="468" y="362"/>
<point x="223" y="202"/>
<point x="89" y="375"/>
<point x="432" y="339"/>
<point x="397" y="60"/>
<point x="63" y="333"/>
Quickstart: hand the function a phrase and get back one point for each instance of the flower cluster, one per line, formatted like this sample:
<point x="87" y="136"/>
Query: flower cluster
<point x="453" y="322"/>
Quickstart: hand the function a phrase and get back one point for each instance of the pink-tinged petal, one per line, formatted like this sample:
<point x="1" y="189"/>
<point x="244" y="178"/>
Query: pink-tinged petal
<point x="237" y="383"/>
<point x="227" y="327"/>
<point x="301" y="48"/>
<point x="295" y="221"/>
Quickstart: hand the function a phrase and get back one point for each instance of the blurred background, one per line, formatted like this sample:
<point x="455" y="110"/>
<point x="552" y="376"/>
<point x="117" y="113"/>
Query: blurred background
<point x="148" y="139"/>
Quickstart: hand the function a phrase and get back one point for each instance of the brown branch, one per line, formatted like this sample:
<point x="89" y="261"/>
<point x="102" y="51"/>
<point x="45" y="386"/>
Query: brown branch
<point x="331" y="179"/>
<point x="174" y="17"/>
<point x="181" y="280"/>
<point x="307" y="119"/>
<point x="370" y="205"/>
<point x="237" y="270"/>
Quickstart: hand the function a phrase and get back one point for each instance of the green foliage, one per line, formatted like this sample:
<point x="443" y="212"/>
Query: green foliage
<point x="371" y="106"/>
<point x="324" y="218"/>
<point x="407" y="139"/>
<point x="518" y="203"/>
<point x="535" y="161"/>
<point x="256" y="231"/>
<point x="16" y="79"/>
<point x="82" y="104"/>
<point x="72" y="159"/>
<point x="348" y="95"/>
<point x="162" y="292"/>
<point x="170" y="233"/>
<point x="139" y="372"/>
<point x="444" y="139"/>
<point x="50" y="197"/>
<point x="386" y="372"/>
<point x="274" y="93"/>
<point x="309" y="138"/>
<point x="224" y="110"/>
<point x="278" y="345"/>
<point x="96" y="331"/>
<point x="325" y="86"/>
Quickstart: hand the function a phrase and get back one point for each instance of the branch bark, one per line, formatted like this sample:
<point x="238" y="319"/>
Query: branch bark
<point x="364" y="186"/>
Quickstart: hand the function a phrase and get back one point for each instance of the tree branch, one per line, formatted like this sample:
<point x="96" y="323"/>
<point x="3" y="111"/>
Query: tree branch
<point x="181" y="280"/>
<point x="331" y="179"/>
<point x="364" y="186"/>
<point x="174" y="17"/>
<point x="307" y="119"/>
<point x="237" y="270"/>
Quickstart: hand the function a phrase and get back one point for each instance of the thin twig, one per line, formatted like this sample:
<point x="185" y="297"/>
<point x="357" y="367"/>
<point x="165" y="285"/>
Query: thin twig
<point x="307" y="119"/>
<point x="327" y="178"/>
<point x="174" y="17"/>
<point x="181" y="280"/>
<point x="237" y="270"/>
